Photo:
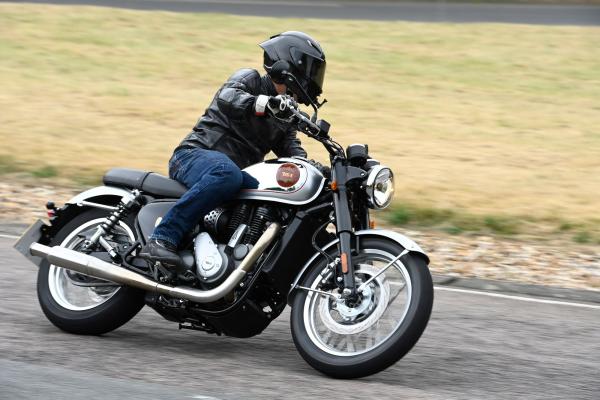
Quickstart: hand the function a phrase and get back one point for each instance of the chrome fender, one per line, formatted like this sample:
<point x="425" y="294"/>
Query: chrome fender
<point x="100" y="191"/>
<point x="399" y="238"/>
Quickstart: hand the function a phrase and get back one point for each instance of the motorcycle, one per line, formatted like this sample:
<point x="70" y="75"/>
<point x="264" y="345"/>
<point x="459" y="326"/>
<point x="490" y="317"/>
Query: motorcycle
<point x="360" y="297"/>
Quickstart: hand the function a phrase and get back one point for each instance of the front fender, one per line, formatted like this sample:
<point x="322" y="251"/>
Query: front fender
<point x="399" y="238"/>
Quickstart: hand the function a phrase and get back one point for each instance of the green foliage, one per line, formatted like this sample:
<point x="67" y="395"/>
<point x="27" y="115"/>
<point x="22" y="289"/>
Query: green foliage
<point x="452" y="221"/>
<point x="404" y="214"/>
<point x="400" y="215"/>
<point x="47" y="171"/>
<point x="566" y="226"/>
<point x="501" y="225"/>
<point x="453" y="230"/>
<point x="582" y="237"/>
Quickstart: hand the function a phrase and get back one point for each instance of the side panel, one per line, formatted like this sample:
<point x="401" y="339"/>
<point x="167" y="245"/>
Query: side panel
<point x="293" y="251"/>
<point x="304" y="190"/>
<point x="151" y="214"/>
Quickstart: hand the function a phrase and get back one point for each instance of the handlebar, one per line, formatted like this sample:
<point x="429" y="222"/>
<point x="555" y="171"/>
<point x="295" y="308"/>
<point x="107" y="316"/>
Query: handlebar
<point x="312" y="129"/>
<point x="318" y="131"/>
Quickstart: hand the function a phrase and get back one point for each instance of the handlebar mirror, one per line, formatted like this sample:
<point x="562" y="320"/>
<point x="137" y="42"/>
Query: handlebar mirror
<point x="323" y="127"/>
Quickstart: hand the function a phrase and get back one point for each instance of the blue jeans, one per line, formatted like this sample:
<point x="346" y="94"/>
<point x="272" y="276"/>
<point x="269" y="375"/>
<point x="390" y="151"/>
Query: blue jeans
<point x="212" y="179"/>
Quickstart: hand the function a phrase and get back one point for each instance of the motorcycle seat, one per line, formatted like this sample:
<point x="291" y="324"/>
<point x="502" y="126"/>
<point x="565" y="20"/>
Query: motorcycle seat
<point x="146" y="181"/>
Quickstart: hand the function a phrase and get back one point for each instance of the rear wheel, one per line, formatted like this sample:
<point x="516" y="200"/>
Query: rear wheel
<point x="80" y="304"/>
<point x="354" y="340"/>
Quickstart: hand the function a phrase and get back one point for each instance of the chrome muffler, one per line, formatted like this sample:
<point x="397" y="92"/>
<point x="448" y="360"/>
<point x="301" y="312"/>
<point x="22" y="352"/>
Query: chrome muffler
<point x="88" y="265"/>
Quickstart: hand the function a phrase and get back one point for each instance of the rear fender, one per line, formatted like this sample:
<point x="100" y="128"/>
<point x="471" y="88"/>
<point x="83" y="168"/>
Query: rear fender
<point x="111" y="192"/>
<point x="106" y="195"/>
<point x="43" y="233"/>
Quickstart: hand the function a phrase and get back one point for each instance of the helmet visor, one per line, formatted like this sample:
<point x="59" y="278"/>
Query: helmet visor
<point x="312" y="68"/>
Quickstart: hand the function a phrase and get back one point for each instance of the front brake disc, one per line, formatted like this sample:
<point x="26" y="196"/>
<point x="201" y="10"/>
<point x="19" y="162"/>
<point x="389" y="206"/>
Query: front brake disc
<point x="374" y="303"/>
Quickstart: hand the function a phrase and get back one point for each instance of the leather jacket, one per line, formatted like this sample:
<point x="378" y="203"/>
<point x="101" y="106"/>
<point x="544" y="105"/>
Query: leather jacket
<point x="229" y="124"/>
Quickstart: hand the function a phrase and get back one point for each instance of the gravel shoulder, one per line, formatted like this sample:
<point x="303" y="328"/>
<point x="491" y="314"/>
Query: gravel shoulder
<point x="456" y="259"/>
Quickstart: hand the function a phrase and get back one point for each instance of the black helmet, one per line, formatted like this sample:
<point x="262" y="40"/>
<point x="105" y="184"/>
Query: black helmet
<point x="306" y="61"/>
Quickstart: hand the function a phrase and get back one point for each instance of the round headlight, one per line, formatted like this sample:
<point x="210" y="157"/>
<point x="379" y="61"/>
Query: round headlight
<point x="380" y="187"/>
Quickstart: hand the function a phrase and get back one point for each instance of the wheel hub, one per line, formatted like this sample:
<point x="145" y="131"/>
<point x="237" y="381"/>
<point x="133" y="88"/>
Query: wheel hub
<point x="348" y="312"/>
<point x="350" y="320"/>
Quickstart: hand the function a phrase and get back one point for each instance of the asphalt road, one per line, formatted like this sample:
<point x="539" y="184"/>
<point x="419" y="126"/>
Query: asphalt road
<point x="439" y="11"/>
<point x="474" y="347"/>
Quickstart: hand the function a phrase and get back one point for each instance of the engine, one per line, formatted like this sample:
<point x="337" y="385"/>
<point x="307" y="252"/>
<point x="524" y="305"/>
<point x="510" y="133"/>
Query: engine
<point x="229" y="236"/>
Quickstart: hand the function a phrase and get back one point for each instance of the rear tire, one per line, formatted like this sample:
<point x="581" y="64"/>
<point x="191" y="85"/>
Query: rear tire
<point x="110" y="306"/>
<point x="369" y="342"/>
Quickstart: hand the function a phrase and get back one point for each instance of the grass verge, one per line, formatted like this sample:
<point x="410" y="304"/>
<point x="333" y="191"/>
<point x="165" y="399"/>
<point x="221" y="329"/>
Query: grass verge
<point x="462" y="222"/>
<point x="497" y="121"/>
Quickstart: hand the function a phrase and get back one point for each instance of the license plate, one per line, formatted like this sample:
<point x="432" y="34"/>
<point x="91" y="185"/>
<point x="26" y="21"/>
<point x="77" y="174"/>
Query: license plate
<point x="31" y="235"/>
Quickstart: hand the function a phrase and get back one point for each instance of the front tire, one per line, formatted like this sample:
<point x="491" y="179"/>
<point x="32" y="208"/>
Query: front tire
<point x="357" y="341"/>
<point x="80" y="309"/>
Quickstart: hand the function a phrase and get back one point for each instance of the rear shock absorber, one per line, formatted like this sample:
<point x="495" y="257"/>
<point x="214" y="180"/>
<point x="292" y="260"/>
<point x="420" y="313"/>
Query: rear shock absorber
<point x="120" y="212"/>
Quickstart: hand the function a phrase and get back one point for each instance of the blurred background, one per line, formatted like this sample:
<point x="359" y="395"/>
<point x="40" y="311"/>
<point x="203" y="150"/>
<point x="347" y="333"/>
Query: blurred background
<point x="488" y="113"/>
<point x="491" y="128"/>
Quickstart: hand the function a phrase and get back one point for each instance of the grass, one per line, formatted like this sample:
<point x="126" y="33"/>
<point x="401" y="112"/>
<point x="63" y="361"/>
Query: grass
<point x="47" y="171"/>
<point x="582" y="237"/>
<point x="452" y="221"/>
<point x="457" y="222"/>
<point x="8" y="164"/>
<point x="482" y="123"/>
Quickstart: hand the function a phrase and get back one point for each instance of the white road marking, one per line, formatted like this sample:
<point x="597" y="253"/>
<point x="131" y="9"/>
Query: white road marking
<point x="519" y="298"/>
<point x="199" y="396"/>
<point x="8" y="236"/>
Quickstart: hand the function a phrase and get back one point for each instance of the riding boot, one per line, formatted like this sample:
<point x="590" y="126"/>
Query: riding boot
<point x="161" y="251"/>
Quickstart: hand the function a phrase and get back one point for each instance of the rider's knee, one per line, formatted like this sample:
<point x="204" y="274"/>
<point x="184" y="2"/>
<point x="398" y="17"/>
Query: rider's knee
<point x="232" y="177"/>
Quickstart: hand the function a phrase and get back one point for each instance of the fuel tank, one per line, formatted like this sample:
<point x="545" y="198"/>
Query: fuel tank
<point x="284" y="180"/>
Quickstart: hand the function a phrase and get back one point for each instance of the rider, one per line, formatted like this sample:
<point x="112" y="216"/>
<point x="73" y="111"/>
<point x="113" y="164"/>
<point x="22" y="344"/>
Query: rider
<point x="245" y="120"/>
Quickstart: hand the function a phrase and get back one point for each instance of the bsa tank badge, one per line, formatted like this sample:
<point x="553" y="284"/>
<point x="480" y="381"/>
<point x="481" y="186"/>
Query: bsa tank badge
<point x="287" y="175"/>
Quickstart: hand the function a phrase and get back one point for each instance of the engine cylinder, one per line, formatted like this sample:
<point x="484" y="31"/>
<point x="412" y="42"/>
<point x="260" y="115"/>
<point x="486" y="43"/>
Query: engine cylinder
<point x="241" y="215"/>
<point x="261" y="217"/>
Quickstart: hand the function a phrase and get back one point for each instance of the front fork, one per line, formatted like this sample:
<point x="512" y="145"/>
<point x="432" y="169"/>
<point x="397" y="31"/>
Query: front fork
<point x="344" y="229"/>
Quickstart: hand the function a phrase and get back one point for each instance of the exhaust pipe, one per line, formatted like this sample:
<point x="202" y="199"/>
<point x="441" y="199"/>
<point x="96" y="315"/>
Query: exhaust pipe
<point x="88" y="265"/>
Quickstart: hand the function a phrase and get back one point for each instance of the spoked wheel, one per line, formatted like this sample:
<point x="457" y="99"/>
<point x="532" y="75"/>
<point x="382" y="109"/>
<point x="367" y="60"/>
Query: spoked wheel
<point x="81" y="304"/>
<point x="353" y="339"/>
<point x="75" y="291"/>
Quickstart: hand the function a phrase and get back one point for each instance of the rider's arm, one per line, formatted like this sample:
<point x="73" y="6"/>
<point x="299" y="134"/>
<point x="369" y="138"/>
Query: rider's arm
<point x="289" y="145"/>
<point x="236" y="98"/>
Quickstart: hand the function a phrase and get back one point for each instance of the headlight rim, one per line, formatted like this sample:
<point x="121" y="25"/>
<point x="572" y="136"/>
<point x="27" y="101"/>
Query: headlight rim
<point x="370" y="186"/>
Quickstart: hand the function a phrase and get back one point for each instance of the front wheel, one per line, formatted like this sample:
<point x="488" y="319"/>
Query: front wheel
<point x="346" y="340"/>
<point x="77" y="303"/>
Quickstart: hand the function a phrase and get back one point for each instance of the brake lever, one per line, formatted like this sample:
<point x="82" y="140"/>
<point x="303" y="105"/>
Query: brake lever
<point x="305" y="124"/>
